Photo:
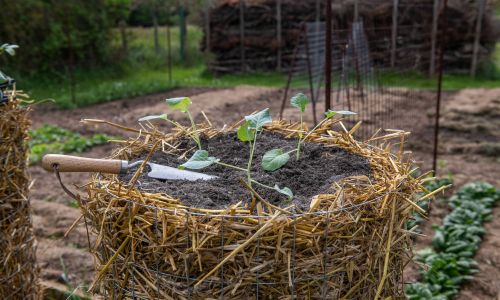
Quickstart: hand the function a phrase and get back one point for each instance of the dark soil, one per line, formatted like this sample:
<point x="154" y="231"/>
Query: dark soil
<point x="319" y="166"/>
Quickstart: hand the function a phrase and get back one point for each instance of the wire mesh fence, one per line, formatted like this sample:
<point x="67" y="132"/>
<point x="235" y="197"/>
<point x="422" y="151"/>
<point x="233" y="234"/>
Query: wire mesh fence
<point x="363" y="80"/>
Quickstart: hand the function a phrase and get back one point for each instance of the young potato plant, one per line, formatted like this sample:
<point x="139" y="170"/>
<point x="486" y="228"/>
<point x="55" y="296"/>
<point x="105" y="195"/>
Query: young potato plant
<point x="277" y="158"/>
<point x="247" y="132"/>
<point x="182" y="104"/>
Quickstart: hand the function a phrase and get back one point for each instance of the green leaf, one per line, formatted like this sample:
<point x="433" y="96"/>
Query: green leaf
<point x="180" y="103"/>
<point x="274" y="159"/>
<point x="10" y="49"/>
<point x="285" y="191"/>
<point x="300" y="101"/>
<point x="258" y="120"/>
<point x="245" y="134"/>
<point x="153" y="117"/>
<point x="332" y="113"/>
<point x="199" y="160"/>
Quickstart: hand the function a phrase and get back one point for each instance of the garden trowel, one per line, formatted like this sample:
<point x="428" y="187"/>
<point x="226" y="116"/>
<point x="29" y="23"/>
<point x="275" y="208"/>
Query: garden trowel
<point x="68" y="163"/>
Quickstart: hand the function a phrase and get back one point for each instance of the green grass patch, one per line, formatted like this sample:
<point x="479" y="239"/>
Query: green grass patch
<point x="53" y="139"/>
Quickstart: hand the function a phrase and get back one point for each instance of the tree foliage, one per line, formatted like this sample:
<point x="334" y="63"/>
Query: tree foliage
<point x="52" y="31"/>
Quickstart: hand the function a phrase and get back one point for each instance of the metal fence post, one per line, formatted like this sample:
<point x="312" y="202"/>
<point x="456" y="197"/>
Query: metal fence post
<point x="394" y="31"/>
<point x="432" y="66"/>
<point x="278" y="34"/>
<point x="242" y="34"/>
<point x="439" y="90"/>
<point x="208" y="5"/>
<point x="328" y="55"/>
<point x="477" y="37"/>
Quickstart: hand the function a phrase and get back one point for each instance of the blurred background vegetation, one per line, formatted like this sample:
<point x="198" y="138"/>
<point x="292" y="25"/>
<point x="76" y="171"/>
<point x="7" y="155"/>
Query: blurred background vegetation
<point x="83" y="52"/>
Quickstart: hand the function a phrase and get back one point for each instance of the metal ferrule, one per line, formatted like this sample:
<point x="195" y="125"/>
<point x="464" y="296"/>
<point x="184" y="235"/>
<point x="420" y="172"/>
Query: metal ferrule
<point x="124" y="167"/>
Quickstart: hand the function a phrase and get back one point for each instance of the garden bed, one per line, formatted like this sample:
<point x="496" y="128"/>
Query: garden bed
<point x="343" y="235"/>
<point x="319" y="167"/>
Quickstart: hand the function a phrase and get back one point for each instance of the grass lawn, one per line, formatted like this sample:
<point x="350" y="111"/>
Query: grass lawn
<point x="145" y="72"/>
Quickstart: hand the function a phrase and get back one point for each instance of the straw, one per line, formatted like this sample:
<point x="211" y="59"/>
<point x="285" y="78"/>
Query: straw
<point x="352" y="243"/>
<point x="18" y="271"/>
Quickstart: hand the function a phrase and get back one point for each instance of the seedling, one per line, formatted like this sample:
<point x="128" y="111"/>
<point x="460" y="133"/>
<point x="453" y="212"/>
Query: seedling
<point x="277" y="158"/>
<point x="250" y="130"/>
<point x="159" y="117"/>
<point x="247" y="132"/>
<point x="201" y="159"/>
<point x="300" y="101"/>
<point x="182" y="104"/>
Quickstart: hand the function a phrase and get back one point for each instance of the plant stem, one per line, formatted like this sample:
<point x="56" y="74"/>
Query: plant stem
<point x="173" y="122"/>
<point x="249" y="166"/>
<point x="196" y="136"/>
<point x="300" y="136"/>
<point x="262" y="185"/>
<point x="231" y="166"/>
<point x="302" y="140"/>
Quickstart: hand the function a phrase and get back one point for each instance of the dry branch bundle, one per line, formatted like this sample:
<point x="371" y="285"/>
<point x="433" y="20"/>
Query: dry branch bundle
<point x="18" y="270"/>
<point x="351" y="244"/>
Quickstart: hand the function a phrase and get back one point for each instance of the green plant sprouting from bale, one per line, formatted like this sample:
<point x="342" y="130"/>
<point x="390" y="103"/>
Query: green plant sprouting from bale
<point x="300" y="101"/>
<point x="182" y="104"/>
<point x="158" y="117"/>
<point x="54" y="139"/>
<point x="277" y="158"/>
<point x="247" y="132"/>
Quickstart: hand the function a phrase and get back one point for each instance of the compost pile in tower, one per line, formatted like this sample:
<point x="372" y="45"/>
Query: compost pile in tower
<point x="261" y="44"/>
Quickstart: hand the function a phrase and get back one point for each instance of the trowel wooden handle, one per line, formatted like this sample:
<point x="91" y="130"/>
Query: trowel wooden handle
<point x="68" y="163"/>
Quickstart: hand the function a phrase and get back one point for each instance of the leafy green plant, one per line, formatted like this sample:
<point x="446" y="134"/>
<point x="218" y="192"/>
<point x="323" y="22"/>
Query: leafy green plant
<point x="455" y="243"/>
<point x="431" y="186"/>
<point x="247" y="132"/>
<point x="253" y="126"/>
<point x="9" y="49"/>
<point x="159" y="117"/>
<point x="201" y="159"/>
<point x="277" y="158"/>
<point x="182" y="104"/>
<point x="53" y="139"/>
<point x="300" y="101"/>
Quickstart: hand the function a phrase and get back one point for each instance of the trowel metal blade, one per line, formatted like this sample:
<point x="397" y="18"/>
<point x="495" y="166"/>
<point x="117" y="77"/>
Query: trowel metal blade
<point x="170" y="173"/>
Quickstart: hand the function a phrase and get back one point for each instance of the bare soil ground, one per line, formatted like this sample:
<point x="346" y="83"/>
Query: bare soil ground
<point x="469" y="149"/>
